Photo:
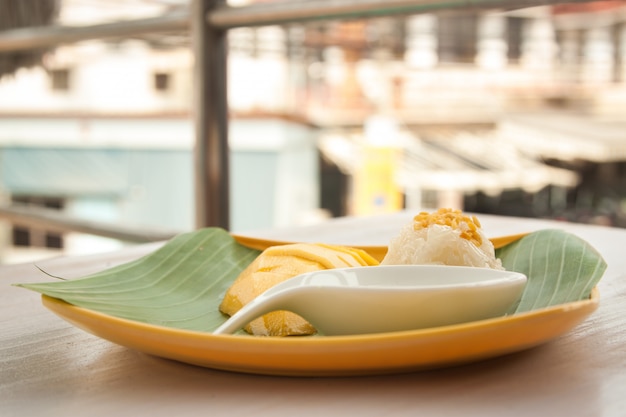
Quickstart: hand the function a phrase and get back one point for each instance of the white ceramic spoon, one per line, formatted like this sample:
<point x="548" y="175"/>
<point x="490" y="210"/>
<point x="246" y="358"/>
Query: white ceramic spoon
<point x="387" y="298"/>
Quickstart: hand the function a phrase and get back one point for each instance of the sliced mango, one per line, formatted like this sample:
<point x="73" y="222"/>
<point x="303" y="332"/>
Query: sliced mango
<point x="277" y="264"/>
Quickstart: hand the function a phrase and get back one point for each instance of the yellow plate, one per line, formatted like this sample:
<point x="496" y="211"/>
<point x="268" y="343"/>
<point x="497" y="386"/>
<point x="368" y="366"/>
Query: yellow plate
<point x="337" y="355"/>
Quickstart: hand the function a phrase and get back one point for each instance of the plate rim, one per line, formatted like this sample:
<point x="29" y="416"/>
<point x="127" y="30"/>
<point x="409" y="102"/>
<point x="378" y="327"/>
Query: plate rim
<point x="376" y="251"/>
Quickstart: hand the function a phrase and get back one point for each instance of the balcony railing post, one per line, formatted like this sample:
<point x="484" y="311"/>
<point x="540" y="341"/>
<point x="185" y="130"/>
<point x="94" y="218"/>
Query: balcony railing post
<point x="211" y="118"/>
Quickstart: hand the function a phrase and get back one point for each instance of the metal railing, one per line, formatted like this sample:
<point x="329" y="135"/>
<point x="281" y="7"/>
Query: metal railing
<point x="209" y="22"/>
<point x="221" y="17"/>
<point x="55" y="221"/>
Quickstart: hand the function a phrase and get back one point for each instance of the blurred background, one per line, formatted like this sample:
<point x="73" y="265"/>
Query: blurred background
<point x="514" y="112"/>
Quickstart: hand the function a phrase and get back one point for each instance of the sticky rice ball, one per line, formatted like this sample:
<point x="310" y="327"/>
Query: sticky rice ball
<point x="445" y="237"/>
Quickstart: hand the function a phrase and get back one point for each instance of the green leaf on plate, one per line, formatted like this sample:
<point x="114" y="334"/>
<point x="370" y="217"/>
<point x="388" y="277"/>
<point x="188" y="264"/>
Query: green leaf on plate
<point x="182" y="284"/>
<point x="179" y="285"/>
<point x="560" y="267"/>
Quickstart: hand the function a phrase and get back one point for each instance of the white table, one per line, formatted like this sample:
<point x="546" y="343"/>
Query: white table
<point x="50" y="368"/>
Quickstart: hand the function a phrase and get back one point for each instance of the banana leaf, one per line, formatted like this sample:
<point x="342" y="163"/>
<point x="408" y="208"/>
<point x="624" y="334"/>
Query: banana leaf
<point x="182" y="284"/>
<point x="179" y="285"/>
<point x="561" y="268"/>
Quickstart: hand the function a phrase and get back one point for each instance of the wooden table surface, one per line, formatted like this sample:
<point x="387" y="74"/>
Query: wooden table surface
<point x="50" y="368"/>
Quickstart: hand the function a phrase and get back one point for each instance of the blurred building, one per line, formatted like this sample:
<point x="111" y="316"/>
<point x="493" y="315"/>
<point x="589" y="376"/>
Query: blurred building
<point x="443" y="109"/>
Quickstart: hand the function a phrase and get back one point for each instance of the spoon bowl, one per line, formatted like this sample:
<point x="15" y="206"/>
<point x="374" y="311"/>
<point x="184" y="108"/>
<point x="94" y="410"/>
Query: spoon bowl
<point x="387" y="298"/>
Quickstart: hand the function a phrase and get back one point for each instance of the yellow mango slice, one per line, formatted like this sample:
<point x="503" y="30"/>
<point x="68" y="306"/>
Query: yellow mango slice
<point x="277" y="264"/>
